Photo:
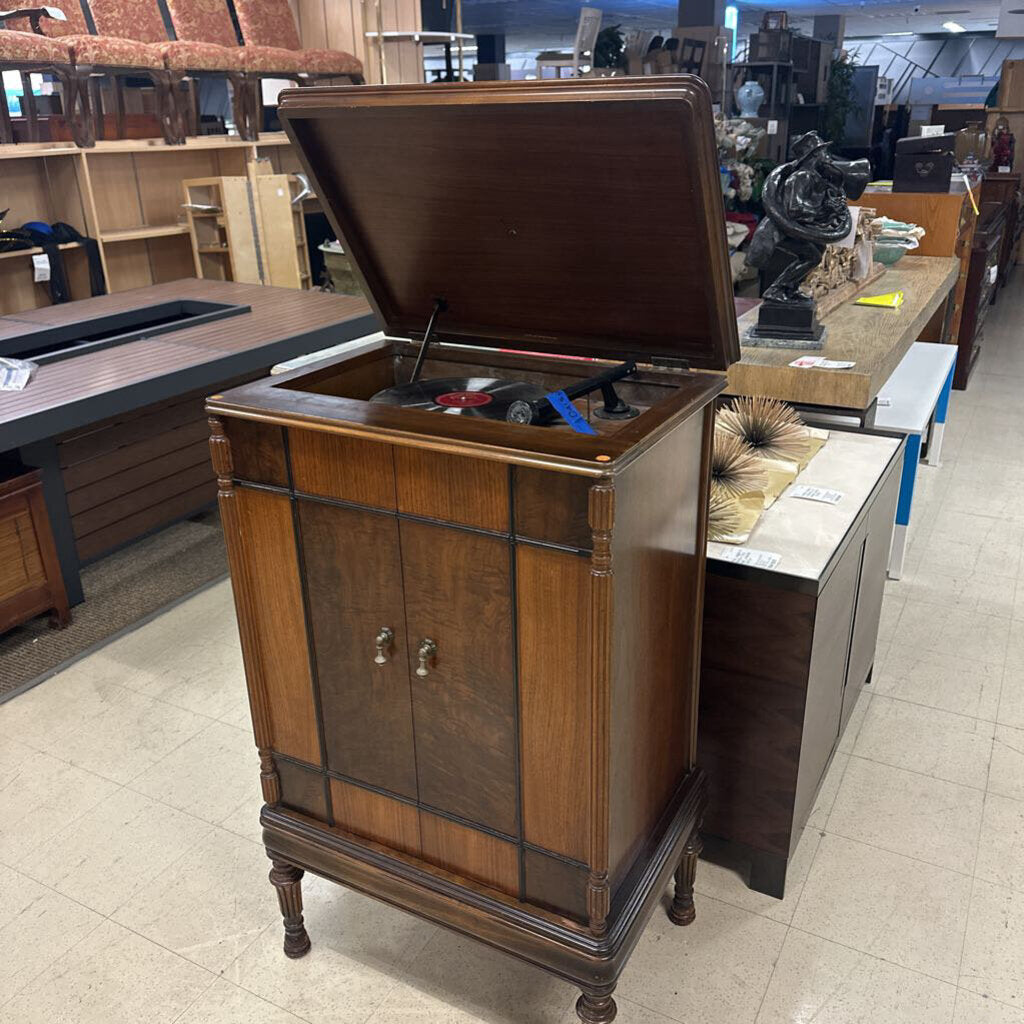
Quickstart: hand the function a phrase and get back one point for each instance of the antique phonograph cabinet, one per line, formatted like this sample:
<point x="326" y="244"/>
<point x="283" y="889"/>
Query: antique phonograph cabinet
<point x="472" y="641"/>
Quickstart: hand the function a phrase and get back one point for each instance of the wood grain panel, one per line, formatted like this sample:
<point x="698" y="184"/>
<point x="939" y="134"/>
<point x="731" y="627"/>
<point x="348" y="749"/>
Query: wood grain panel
<point x="128" y="265"/>
<point x="121" y="485"/>
<point x="108" y="436"/>
<point x="555" y="885"/>
<point x="146" y="496"/>
<point x="553" y="593"/>
<point x="122" y="531"/>
<point x="454" y="488"/>
<point x="375" y="816"/>
<point x="342" y="467"/>
<point x="20" y="564"/>
<point x="468" y="852"/>
<point x="457" y="593"/>
<point x="302" y="788"/>
<point x="265" y="522"/>
<point x="552" y="506"/>
<point x="752" y="710"/>
<point x="657" y="586"/>
<point x="257" y="451"/>
<point x="354" y="582"/>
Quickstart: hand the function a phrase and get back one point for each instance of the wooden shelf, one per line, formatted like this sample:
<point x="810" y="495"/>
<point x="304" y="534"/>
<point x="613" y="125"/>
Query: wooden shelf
<point x="134" y="234"/>
<point x="37" y="251"/>
<point x="121" y="191"/>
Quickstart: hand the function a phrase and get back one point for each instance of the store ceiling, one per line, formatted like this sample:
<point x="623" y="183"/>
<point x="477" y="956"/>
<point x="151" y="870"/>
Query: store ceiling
<point x="550" y="22"/>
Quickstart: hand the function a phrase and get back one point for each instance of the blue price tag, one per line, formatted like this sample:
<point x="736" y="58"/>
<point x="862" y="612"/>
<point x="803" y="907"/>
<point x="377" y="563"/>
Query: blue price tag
<point x="569" y="412"/>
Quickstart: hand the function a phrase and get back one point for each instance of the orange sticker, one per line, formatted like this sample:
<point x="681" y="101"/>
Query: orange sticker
<point x="603" y="458"/>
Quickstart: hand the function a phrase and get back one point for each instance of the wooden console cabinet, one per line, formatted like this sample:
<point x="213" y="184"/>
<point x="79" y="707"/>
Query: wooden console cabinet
<point x="472" y="646"/>
<point x="787" y="650"/>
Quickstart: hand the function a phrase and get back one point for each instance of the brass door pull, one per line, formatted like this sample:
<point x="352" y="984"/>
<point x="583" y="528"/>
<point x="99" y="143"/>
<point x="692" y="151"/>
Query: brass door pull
<point x="427" y="650"/>
<point x="385" y="638"/>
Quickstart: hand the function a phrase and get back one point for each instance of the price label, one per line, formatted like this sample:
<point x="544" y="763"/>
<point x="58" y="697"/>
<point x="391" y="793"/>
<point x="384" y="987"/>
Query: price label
<point x="41" y="267"/>
<point x="992" y="273"/>
<point x="821" y="363"/>
<point x="811" y="493"/>
<point x="1003" y="169"/>
<point x="773" y="128"/>
<point x="748" y="556"/>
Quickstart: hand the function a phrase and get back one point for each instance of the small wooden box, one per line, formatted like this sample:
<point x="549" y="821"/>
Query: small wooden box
<point x="30" y="576"/>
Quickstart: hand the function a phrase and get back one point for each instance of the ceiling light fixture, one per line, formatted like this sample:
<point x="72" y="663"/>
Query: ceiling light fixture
<point x="952" y="26"/>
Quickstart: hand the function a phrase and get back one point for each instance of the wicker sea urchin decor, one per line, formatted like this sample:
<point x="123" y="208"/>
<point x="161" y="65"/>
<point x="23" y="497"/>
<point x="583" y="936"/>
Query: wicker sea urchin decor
<point x="735" y="469"/>
<point x="772" y="428"/>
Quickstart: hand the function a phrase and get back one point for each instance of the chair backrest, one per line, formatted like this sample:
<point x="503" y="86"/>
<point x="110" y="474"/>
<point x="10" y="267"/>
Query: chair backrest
<point x="268" y="23"/>
<point x="75" y="25"/>
<point x="129" y="19"/>
<point x="692" y="55"/>
<point x="203" y="21"/>
<point x="586" y="34"/>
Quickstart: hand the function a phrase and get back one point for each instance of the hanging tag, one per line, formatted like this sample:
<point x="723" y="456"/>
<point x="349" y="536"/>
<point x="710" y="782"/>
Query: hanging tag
<point x="41" y="267"/>
<point x="564" y="407"/>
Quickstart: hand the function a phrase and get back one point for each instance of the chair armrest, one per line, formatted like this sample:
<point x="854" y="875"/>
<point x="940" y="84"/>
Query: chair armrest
<point x="35" y="16"/>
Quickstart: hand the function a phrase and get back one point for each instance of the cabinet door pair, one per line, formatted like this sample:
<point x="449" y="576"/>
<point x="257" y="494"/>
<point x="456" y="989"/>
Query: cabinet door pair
<point x="412" y="633"/>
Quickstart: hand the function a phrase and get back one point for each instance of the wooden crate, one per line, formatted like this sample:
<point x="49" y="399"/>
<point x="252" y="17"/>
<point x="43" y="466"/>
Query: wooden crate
<point x="30" y="578"/>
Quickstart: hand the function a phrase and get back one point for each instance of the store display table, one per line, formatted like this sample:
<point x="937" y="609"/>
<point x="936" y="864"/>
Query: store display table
<point x="875" y="340"/>
<point x="114" y="415"/>
<point x="787" y="649"/>
<point x="915" y="401"/>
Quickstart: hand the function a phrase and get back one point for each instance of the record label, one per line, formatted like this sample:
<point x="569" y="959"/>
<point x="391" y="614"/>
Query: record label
<point x="464" y="399"/>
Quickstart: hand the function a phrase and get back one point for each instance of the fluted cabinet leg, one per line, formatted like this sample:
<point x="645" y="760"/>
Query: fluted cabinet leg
<point x="682" y="911"/>
<point x="596" y="1006"/>
<point x="287" y="880"/>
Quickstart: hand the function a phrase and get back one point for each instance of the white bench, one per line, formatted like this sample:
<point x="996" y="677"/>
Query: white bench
<point x="915" y="401"/>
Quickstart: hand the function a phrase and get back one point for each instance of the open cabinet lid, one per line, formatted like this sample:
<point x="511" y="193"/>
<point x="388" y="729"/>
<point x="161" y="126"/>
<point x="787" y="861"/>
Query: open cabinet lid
<point x="581" y="216"/>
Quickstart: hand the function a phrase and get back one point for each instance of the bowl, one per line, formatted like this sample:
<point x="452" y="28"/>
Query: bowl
<point x="888" y="254"/>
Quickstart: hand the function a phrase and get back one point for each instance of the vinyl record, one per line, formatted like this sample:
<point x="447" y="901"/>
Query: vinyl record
<point x="488" y="397"/>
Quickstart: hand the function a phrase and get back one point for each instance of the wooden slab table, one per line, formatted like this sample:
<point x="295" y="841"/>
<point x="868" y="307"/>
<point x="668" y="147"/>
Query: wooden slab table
<point x="875" y="340"/>
<point x="118" y="428"/>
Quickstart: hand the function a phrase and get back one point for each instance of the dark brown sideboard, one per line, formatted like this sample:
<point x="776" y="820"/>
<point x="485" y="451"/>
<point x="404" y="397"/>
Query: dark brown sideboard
<point x="787" y="650"/>
<point x="982" y="283"/>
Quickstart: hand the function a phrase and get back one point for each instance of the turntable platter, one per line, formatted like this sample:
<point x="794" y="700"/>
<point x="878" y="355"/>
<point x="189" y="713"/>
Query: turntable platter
<point x="487" y="397"/>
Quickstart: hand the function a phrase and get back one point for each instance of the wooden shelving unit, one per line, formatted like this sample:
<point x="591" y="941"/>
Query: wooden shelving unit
<point x="124" y="193"/>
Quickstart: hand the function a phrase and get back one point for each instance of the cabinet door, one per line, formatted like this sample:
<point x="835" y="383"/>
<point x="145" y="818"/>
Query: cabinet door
<point x="458" y="595"/>
<point x="871" y="590"/>
<point x="354" y="587"/>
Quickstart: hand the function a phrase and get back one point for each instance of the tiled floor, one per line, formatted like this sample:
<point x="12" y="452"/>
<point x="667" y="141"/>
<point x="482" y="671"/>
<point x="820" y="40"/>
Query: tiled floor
<point x="133" y="887"/>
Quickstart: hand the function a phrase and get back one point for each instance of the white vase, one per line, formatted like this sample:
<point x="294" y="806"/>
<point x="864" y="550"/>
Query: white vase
<point x="749" y="97"/>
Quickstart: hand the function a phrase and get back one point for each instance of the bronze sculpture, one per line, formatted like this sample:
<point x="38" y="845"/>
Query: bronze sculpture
<point x="805" y="210"/>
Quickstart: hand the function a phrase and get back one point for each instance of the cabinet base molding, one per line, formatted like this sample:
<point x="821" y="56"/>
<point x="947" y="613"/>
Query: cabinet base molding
<point x="296" y="844"/>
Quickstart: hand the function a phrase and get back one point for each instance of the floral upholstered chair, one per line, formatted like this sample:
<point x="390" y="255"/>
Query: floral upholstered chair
<point x="117" y="56"/>
<point x="25" y="49"/>
<point x="184" y="58"/>
<point x="274" y="49"/>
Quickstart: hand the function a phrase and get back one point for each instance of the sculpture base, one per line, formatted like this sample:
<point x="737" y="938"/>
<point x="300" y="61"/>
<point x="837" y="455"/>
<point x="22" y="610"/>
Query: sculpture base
<point x="786" y="325"/>
<point x="752" y="338"/>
